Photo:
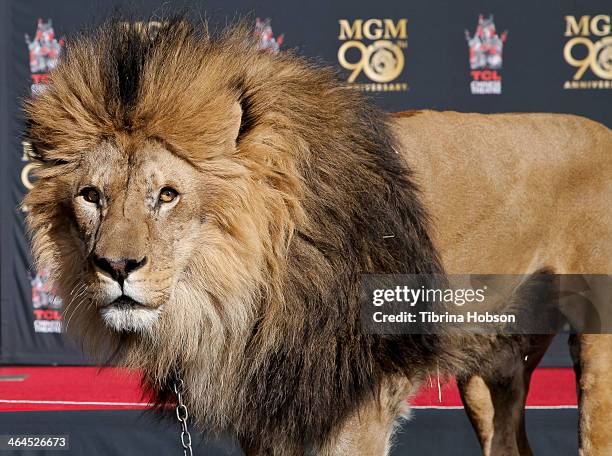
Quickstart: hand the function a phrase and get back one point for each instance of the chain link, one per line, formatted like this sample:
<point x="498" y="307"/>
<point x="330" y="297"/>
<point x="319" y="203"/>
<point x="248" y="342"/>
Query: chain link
<point x="182" y="415"/>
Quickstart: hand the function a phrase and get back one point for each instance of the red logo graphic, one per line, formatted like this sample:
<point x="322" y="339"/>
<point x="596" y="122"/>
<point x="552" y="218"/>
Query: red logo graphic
<point x="46" y="305"/>
<point x="44" y="52"/>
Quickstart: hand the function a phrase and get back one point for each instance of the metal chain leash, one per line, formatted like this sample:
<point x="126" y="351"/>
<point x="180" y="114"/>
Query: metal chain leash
<point x="182" y="416"/>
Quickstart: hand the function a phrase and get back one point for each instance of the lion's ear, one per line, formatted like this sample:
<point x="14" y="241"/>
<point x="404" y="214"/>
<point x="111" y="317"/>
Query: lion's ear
<point x="235" y="123"/>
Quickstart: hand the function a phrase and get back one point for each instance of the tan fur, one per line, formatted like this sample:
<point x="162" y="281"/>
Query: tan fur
<point x="514" y="194"/>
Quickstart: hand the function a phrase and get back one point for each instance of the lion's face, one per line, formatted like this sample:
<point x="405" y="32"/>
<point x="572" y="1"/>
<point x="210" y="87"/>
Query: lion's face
<point x="138" y="218"/>
<point x="144" y="235"/>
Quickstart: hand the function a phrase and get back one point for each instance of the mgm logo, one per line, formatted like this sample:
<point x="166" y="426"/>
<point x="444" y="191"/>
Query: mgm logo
<point x="374" y="50"/>
<point x="589" y="48"/>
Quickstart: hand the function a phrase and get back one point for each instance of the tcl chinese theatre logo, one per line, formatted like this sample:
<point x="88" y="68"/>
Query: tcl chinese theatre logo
<point x="373" y="51"/>
<point x="589" y="50"/>
<point x="44" y="50"/>
<point x="486" y="48"/>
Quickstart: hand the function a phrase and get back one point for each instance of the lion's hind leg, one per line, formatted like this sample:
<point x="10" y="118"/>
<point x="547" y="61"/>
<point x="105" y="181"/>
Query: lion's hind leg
<point x="592" y="354"/>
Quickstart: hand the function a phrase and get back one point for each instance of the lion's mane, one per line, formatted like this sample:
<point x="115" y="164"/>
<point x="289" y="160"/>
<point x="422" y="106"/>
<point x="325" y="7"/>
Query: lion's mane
<point x="327" y="195"/>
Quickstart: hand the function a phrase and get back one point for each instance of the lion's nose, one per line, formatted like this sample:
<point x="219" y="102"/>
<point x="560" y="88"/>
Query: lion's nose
<point x="119" y="269"/>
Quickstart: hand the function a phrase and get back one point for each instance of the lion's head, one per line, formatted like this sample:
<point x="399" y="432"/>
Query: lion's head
<point x="158" y="208"/>
<point x="209" y="207"/>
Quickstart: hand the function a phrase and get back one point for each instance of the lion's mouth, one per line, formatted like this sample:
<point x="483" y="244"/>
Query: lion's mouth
<point x="125" y="301"/>
<point x="125" y="314"/>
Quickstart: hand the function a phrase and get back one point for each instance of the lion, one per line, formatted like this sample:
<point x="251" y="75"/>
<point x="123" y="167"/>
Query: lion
<point x="206" y="209"/>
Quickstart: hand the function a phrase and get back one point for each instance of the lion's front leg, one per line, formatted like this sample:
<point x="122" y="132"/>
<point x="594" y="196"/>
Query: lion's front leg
<point x="368" y="431"/>
<point x="495" y="401"/>
<point x="250" y="450"/>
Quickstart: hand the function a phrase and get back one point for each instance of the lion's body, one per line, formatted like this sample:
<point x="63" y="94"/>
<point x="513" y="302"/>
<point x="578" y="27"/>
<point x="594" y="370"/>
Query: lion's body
<point x="514" y="193"/>
<point x="518" y="194"/>
<point x="208" y="208"/>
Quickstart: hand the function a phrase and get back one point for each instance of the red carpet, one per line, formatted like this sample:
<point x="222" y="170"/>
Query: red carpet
<point x="91" y="388"/>
<point x="550" y="388"/>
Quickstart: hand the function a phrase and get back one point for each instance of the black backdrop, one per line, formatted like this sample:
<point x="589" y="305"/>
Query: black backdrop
<point x="553" y="56"/>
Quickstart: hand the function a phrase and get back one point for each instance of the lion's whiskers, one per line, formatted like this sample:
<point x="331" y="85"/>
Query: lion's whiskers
<point x="78" y="295"/>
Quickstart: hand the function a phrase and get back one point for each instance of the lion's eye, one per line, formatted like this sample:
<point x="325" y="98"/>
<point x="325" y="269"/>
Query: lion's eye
<point x="91" y="195"/>
<point x="167" y="195"/>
